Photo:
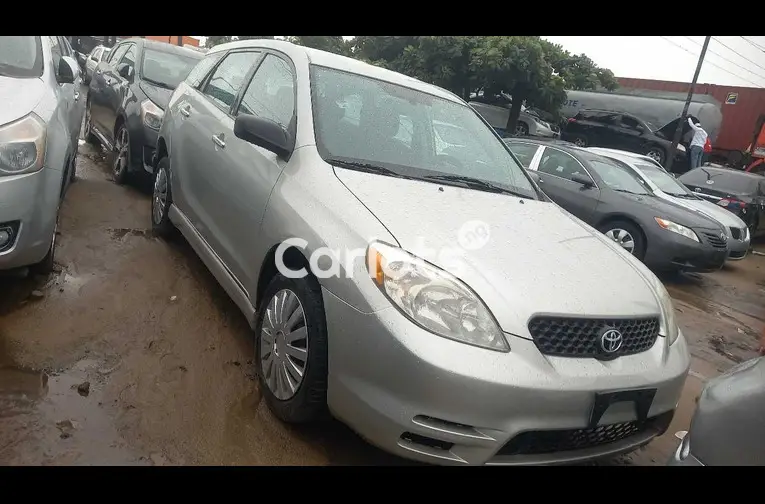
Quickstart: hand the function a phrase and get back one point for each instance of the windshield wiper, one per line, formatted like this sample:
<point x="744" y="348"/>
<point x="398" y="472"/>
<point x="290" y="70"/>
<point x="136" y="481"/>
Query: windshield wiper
<point x="474" y="183"/>
<point x="367" y="167"/>
<point x="631" y="192"/>
<point x="158" y="83"/>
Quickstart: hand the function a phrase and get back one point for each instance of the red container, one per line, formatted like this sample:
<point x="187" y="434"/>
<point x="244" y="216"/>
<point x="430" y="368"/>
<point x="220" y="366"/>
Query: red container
<point x="741" y="107"/>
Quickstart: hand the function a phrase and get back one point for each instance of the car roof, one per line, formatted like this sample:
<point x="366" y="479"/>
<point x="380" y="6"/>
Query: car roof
<point x="165" y="47"/>
<point x="543" y="141"/>
<point x="343" y="63"/>
<point x="621" y="154"/>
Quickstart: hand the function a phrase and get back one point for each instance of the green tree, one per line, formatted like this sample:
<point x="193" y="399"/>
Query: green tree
<point x="213" y="41"/>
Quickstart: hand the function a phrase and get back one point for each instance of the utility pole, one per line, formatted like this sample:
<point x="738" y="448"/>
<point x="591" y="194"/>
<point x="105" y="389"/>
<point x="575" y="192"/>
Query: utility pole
<point x="683" y="118"/>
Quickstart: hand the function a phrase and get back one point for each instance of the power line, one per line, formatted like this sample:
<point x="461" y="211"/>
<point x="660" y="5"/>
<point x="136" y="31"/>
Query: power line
<point x="709" y="62"/>
<point x="741" y="55"/>
<point x="729" y="60"/>
<point x="754" y="44"/>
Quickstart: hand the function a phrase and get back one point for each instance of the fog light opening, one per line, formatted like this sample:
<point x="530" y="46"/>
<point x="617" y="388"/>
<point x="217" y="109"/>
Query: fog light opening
<point x="6" y="236"/>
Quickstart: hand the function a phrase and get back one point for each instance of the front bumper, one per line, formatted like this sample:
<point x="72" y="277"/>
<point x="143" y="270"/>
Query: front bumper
<point x="29" y="203"/>
<point x="738" y="249"/>
<point x="667" y="251"/>
<point x="143" y="142"/>
<point x="431" y="399"/>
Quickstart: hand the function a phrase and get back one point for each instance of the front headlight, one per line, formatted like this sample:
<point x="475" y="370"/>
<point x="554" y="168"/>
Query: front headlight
<point x="433" y="299"/>
<point x="151" y="114"/>
<point x="668" y="326"/>
<point x="677" y="228"/>
<point x="22" y="146"/>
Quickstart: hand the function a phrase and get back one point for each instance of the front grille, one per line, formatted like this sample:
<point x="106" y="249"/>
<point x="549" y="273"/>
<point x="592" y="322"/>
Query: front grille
<point x="582" y="337"/>
<point x="736" y="233"/>
<point x="715" y="240"/>
<point x="552" y="441"/>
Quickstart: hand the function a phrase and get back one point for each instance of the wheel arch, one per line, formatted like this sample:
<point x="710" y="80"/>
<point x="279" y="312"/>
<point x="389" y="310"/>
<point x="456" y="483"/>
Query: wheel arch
<point x="618" y="216"/>
<point x="294" y="258"/>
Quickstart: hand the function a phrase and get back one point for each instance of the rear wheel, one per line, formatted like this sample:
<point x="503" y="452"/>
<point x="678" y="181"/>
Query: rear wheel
<point x="121" y="163"/>
<point x="161" y="200"/>
<point x="627" y="235"/>
<point x="579" y="141"/>
<point x="521" y="129"/>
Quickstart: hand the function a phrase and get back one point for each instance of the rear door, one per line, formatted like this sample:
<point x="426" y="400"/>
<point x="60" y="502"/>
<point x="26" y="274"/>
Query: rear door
<point x="116" y="87"/>
<point x="556" y="170"/>
<point x="100" y="86"/>
<point x="629" y="134"/>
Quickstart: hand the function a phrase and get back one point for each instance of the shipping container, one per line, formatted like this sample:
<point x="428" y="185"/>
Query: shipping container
<point x="741" y="109"/>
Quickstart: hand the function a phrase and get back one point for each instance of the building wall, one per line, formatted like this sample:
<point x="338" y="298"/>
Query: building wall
<point x="739" y="119"/>
<point x="173" y="39"/>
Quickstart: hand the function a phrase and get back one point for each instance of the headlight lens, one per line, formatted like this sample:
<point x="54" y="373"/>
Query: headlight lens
<point x="151" y="114"/>
<point x="668" y="326"/>
<point x="22" y="146"/>
<point x="433" y="299"/>
<point x="677" y="228"/>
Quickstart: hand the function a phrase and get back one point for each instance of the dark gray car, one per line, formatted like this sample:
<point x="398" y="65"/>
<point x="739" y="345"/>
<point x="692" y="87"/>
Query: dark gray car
<point x="609" y="196"/>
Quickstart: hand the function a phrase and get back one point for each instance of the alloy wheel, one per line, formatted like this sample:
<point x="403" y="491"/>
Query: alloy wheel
<point x="121" y="160"/>
<point x="160" y="195"/>
<point x="284" y="345"/>
<point x="87" y="122"/>
<point x="623" y="238"/>
<point x="579" y="142"/>
<point x="655" y="155"/>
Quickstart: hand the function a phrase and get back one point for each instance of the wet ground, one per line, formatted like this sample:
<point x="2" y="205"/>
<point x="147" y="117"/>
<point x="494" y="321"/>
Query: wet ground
<point x="131" y="353"/>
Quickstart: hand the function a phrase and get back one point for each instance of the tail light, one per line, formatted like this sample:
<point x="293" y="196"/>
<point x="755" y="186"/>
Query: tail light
<point x="731" y="204"/>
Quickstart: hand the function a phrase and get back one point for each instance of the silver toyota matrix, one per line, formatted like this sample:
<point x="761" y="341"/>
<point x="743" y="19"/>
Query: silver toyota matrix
<point x="422" y="291"/>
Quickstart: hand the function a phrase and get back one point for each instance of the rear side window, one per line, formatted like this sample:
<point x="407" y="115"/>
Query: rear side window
<point x="228" y="78"/>
<point x="200" y="71"/>
<point x="524" y="152"/>
<point x="117" y="53"/>
<point x="561" y="164"/>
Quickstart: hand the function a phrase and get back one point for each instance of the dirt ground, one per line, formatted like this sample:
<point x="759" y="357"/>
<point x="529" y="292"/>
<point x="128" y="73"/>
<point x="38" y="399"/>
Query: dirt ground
<point x="131" y="354"/>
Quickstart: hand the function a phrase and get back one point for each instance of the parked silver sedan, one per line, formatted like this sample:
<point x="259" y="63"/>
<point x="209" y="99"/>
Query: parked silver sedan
<point x="430" y="297"/>
<point x="665" y="186"/>
<point x="96" y="56"/>
<point x="39" y="125"/>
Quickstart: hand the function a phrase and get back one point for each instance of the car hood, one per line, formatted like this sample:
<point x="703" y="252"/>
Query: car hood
<point x="673" y="209"/>
<point x="19" y="97"/>
<point x="159" y="95"/>
<point x="537" y="259"/>
<point x="708" y="209"/>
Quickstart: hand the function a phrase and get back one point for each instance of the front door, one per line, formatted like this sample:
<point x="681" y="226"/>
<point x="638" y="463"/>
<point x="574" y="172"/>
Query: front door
<point x="116" y="87"/>
<point x="100" y="89"/>
<point x="558" y="174"/>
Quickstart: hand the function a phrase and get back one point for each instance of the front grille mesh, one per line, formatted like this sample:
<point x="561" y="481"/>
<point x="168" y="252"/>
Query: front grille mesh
<point x="581" y="337"/>
<point x="551" y="441"/>
<point x="715" y="240"/>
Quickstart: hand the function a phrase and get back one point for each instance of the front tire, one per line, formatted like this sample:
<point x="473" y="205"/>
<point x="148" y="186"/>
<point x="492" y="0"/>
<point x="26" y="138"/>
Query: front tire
<point x="657" y="154"/>
<point x="161" y="199"/>
<point x="579" y="141"/>
<point x="121" y="163"/>
<point x="88" y="128"/>
<point x="627" y="235"/>
<point x="291" y="349"/>
<point x="48" y="263"/>
<point x="521" y="129"/>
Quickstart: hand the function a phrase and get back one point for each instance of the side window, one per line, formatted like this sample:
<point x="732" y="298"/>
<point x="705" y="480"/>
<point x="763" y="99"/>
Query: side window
<point x="607" y="119"/>
<point x="55" y="49"/>
<point x="66" y="49"/>
<point x="117" y="53"/>
<point x="225" y="82"/>
<point x="271" y="93"/>
<point x="630" y="122"/>
<point x="96" y="54"/>
<point x="561" y="164"/>
<point x="200" y="71"/>
<point x="129" y="57"/>
<point x="524" y="152"/>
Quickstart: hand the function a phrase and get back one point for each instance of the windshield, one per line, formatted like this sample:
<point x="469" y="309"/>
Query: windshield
<point x="166" y="69"/>
<point x="666" y="182"/>
<point x="728" y="181"/>
<point x="20" y="56"/>
<point x="618" y="176"/>
<point x="372" y="125"/>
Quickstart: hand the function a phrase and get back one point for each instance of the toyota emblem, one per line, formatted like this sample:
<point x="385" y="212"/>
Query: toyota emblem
<point x="611" y="340"/>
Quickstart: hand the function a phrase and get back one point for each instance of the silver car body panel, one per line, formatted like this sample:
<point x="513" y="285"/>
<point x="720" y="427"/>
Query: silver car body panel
<point x="34" y="198"/>
<point x="726" y="218"/>
<point x="727" y="427"/>
<point x="261" y="201"/>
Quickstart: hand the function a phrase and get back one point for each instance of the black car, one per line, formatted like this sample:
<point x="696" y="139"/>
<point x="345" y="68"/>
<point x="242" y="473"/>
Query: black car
<point x="740" y="192"/>
<point x="127" y="97"/>
<point x="608" y="195"/>
<point x="616" y="130"/>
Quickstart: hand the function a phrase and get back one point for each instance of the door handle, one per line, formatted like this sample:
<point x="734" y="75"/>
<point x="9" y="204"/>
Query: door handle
<point x="186" y="111"/>
<point x="218" y="140"/>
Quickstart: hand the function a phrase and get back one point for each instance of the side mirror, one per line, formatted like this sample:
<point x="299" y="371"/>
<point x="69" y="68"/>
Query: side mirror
<point x="264" y="133"/>
<point x="67" y="70"/>
<point x="125" y="71"/>
<point x="581" y="179"/>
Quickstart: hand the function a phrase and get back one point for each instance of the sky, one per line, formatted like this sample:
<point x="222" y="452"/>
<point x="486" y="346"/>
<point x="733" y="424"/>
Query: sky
<point x="730" y="60"/>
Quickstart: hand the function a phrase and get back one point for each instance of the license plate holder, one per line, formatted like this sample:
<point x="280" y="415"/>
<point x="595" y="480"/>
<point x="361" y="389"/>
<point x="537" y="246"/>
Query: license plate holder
<point x="641" y="398"/>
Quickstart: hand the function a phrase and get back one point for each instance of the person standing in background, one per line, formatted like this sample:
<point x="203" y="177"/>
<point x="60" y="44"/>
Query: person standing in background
<point x="697" y="144"/>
